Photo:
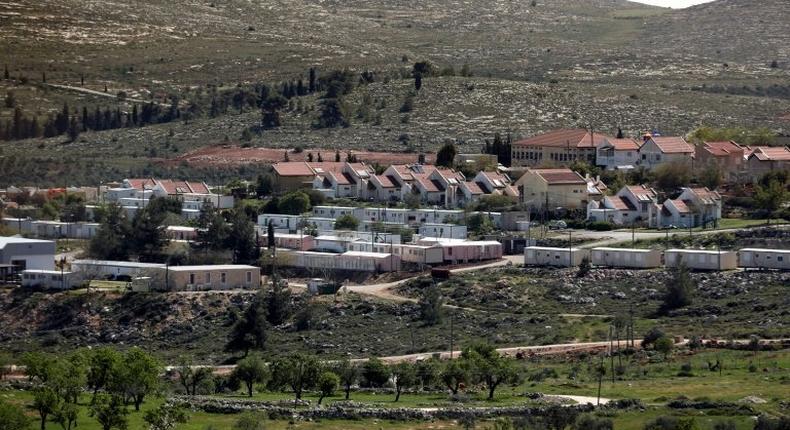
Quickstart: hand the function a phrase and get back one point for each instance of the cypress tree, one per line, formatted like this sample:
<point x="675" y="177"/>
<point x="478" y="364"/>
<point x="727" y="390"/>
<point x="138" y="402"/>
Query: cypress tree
<point x="97" y="120"/>
<point x="300" y="89"/>
<point x="134" y="114"/>
<point x="44" y="77"/>
<point x="16" y="127"/>
<point x="35" y="129"/>
<point x="85" y="119"/>
<point x="6" y="75"/>
<point x="311" y="85"/>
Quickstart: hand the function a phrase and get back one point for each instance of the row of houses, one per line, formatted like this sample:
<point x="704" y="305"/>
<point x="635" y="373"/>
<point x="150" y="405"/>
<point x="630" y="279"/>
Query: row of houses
<point x="694" y="259"/>
<point x="135" y="194"/>
<point x="78" y="230"/>
<point x="638" y="205"/>
<point x="737" y="163"/>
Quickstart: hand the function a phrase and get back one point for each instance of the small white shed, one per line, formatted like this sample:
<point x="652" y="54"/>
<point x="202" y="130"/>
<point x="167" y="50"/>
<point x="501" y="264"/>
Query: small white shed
<point x="758" y="258"/>
<point x="558" y="257"/>
<point x="702" y="259"/>
<point x="626" y="257"/>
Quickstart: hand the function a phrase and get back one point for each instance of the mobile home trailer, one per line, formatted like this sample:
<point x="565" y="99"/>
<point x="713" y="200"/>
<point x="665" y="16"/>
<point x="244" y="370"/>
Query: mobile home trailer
<point x="559" y="257"/>
<point x="757" y="258"/>
<point x="702" y="259"/>
<point x="626" y="257"/>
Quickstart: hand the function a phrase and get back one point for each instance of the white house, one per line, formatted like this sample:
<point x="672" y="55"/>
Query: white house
<point x="694" y="207"/>
<point x="663" y="150"/>
<point x="633" y="204"/>
<point x="617" y="154"/>
<point x="51" y="279"/>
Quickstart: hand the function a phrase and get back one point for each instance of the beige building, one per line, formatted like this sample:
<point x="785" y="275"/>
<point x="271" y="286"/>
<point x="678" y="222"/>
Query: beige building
<point x="763" y="159"/>
<point x="553" y="188"/>
<point x="557" y="148"/>
<point x="625" y="257"/>
<point x="213" y="277"/>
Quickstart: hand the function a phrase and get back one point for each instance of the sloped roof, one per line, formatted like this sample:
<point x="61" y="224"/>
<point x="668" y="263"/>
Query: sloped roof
<point x="621" y="203"/>
<point x="624" y="144"/>
<point x="180" y="187"/>
<point x="673" y="144"/>
<point x="707" y="196"/>
<point x="472" y="187"/>
<point x="293" y="168"/>
<point x="771" y="153"/>
<point x="426" y="183"/>
<point x="560" y="176"/>
<point x="575" y="138"/>
<point x="723" y="148"/>
<point x="681" y="206"/>
<point x="642" y="192"/>
<point x="386" y="181"/>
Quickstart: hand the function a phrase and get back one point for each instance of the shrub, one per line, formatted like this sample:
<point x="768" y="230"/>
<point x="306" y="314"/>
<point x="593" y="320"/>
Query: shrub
<point x="686" y="370"/>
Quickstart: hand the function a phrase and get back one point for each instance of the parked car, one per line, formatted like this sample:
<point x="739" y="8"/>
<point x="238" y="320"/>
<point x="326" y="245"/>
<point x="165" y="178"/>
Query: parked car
<point x="557" y="225"/>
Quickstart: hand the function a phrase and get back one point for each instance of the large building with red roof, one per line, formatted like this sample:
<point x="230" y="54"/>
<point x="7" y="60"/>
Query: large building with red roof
<point x="557" y="148"/>
<point x="727" y="156"/>
<point x="763" y="159"/>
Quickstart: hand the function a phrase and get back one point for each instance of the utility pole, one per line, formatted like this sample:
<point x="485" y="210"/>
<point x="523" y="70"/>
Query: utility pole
<point x="611" y="350"/>
<point x="600" y="380"/>
<point x="570" y="248"/>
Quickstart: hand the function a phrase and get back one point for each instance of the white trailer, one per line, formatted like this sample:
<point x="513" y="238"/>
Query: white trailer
<point x="626" y="257"/>
<point x="558" y="257"/>
<point x="702" y="259"/>
<point x="758" y="258"/>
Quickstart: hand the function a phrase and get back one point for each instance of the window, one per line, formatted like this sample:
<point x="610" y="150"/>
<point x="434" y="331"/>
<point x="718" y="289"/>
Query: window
<point x="249" y="277"/>
<point x="208" y="277"/>
<point x="780" y="258"/>
<point x="449" y="251"/>
<point x="192" y="278"/>
<point x="223" y="277"/>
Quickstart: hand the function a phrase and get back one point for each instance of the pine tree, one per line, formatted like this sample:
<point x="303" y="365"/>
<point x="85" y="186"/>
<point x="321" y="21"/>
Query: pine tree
<point x="310" y="157"/>
<point x="418" y="81"/>
<point x="35" y="129"/>
<point x="320" y="158"/>
<point x="311" y="85"/>
<point x="337" y="156"/>
<point x="16" y="127"/>
<point x="85" y="119"/>
<point x="97" y="120"/>
<point x="134" y="114"/>
<point x="44" y="77"/>
<point x="6" y="75"/>
<point x="62" y="120"/>
<point x="74" y="129"/>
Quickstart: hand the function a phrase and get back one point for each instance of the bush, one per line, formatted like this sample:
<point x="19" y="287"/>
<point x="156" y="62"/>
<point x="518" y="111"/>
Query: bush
<point x="652" y="336"/>
<point x="671" y="423"/>
<point x="591" y="422"/>
<point x="686" y="370"/>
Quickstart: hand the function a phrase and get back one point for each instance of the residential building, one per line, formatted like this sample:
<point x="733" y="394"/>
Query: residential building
<point x="212" y="277"/>
<point x="693" y="208"/>
<point x="763" y="159"/>
<point x="633" y="204"/>
<point x="458" y="251"/>
<point x="659" y="150"/>
<point x="352" y="261"/>
<point x="20" y="253"/>
<point x="557" y="148"/>
<point x="617" y="154"/>
<point x="181" y="232"/>
<point x="552" y="188"/>
<point x="727" y="156"/>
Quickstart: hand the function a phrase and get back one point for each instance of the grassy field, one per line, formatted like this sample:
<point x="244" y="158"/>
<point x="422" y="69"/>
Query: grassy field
<point x="649" y="378"/>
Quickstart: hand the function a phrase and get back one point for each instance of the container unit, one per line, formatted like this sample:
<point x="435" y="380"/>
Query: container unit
<point x="702" y="259"/>
<point x="558" y="257"/>
<point x="758" y="258"/>
<point x="626" y="257"/>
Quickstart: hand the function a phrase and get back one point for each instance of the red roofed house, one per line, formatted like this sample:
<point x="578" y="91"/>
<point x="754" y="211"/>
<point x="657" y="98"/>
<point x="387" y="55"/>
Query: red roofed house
<point x="557" y="148"/>
<point x="436" y="185"/>
<point x="553" y="188"/>
<point x="619" y="154"/>
<point x="763" y="159"/>
<point x="727" y="156"/>
<point x="662" y="150"/>
<point x="343" y="179"/>
<point x="633" y="204"/>
<point x="694" y="207"/>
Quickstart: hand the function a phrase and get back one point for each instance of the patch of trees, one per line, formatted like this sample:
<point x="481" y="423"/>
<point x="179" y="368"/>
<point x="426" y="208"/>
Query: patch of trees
<point x="502" y="149"/>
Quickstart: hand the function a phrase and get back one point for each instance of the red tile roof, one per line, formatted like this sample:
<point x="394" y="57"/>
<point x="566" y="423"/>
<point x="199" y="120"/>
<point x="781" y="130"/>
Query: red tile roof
<point x="575" y="138"/>
<point x="560" y="176"/>
<point x="681" y="206"/>
<point x="293" y="168"/>
<point x="642" y="192"/>
<point x="625" y="144"/>
<point x="170" y="186"/>
<point x="707" y="196"/>
<point x="473" y="187"/>
<point x="722" y="149"/>
<point x="673" y="145"/>
<point x="771" y="153"/>
<point x="386" y="181"/>
<point x="426" y="183"/>
<point x="621" y="203"/>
